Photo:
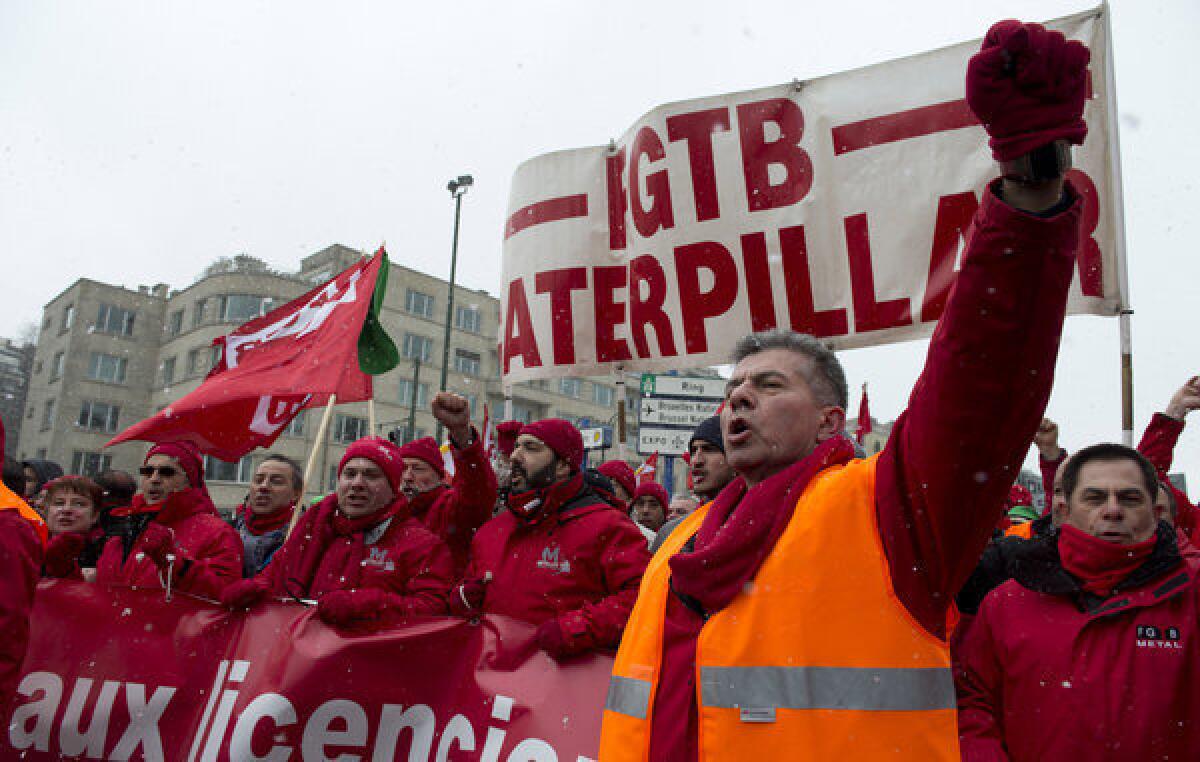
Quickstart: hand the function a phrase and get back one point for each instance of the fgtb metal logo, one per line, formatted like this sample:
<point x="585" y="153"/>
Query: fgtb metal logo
<point x="550" y="560"/>
<point x="1150" y="636"/>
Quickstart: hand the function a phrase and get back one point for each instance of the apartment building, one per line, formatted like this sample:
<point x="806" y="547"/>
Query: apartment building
<point x="108" y="356"/>
<point x="16" y="365"/>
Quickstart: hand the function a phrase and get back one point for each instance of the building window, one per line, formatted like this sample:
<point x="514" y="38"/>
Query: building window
<point x="467" y="319"/>
<point x="348" y="428"/>
<point x="418" y="347"/>
<point x="238" y="308"/>
<point x="48" y="415"/>
<point x="418" y="303"/>
<point x="602" y="395"/>
<point x="175" y="323"/>
<point x="68" y="318"/>
<point x="570" y="387"/>
<point x="99" y="416"/>
<point x="90" y="463"/>
<point x="238" y="471"/>
<point x="168" y="371"/>
<point x="56" y="367"/>
<point x="202" y="359"/>
<point x="108" y="368"/>
<point x="296" y="427"/>
<point x="466" y="362"/>
<point x="406" y="389"/>
<point x="198" y="312"/>
<point x="114" y="320"/>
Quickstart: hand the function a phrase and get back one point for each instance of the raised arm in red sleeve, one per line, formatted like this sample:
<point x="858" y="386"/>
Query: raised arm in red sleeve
<point x="954" y="453"/>
<point x="1158" y="441"/>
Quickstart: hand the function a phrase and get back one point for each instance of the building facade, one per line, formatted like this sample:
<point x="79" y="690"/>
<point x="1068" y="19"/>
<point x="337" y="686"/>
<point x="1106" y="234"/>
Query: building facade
<point x="108" y="356"/>
<point x="16" y="366"/>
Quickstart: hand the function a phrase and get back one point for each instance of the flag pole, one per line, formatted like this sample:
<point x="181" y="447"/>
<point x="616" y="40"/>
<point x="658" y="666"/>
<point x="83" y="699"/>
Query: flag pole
<point x="371" y="416"/>
<point x="318" y="445"/>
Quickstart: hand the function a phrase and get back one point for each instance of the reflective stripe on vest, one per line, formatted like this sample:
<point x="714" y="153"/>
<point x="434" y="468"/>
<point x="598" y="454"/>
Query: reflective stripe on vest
<point x="627" y="695"/>
<point x="873" y="689"/>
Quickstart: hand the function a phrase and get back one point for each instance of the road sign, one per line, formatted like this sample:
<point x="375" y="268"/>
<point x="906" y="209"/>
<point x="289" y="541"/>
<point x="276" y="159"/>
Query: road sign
<point x="682" y="386"/>
<point x="652" y="439"/>
<point x="654" y="411"/>
<point x="596" y="439"/>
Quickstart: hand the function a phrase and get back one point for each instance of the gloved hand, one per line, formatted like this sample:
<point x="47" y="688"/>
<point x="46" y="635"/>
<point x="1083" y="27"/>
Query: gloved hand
<point x="157" y="542"/>
<point x="345" y="607"/>
<point x="243" y="594"/>
<point x="467" y="599"/>
<point x="563" y="637"/>
<point x="1028" y="85"/>
<point x="62" y="554"/>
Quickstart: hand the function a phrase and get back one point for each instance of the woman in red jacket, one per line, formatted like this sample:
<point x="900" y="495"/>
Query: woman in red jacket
<point x="359" y="552"/>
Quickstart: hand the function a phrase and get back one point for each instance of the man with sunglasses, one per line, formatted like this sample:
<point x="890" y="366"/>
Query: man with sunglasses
<point x="171" y="532"/>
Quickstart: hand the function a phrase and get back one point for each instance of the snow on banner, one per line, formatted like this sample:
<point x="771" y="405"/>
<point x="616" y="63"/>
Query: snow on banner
<point x="273" y="367"/>
<point x="836" y="207"/>
<point x="188" y="681"/>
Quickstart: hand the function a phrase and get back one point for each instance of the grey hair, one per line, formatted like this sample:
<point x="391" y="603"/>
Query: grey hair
<point x="297" y="472"/>
<point x="826" y="378"/>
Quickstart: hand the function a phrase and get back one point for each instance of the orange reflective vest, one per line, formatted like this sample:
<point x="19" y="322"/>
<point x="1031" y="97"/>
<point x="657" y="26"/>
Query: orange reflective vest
<point x="10" y="502"/>
<point x="817" y="659"/>
<point x="1020" y="530"/>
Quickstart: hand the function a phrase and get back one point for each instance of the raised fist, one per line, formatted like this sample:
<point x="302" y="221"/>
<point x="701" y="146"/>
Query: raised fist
<point x="1027" y="85"/>
<point x="1185" y="400"/>
<point x="1046" y="439"/>
<point x="454" y="412"/>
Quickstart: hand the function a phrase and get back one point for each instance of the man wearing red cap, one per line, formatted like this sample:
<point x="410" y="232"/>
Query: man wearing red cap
<point x="560" y="558"/>
<point x="171" y="531"/>
<point x="624" y="480"/>
<point x="649" y="508"/>
<point x="451" y="511"/>
<point x="359" y="552"/>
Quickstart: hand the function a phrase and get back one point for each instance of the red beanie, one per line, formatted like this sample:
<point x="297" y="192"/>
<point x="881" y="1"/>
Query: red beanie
<point x="188" y="456"/>
<point x="654" y="490"/>
<point x="620" y="472"/>
<point x="560" y="436"/>
<point x="506" y="436"/>
<point x="380" y="452"/>
<point x="426" y="449"/>
<point x="1018" y="495"/>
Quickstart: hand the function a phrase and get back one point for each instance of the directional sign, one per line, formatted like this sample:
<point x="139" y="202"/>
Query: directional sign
<point x="662" y="441"/>
<point x="682" y="386"/>
<point x="675" y="412"/>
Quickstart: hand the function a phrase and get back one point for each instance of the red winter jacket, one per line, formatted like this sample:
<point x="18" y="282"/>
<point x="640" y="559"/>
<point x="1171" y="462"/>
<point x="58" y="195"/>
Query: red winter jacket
<point x="1047" y="672"/>
<point x="397" y="555"/>
<point x="20" y="568"/>
<point x="209" y="550"/>
<point x="581" y="564"/>
<point x="455" y="512"/>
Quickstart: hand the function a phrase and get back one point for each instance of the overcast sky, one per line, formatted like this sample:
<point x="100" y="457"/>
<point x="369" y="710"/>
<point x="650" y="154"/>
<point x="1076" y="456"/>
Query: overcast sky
<point x="141" y="141"/>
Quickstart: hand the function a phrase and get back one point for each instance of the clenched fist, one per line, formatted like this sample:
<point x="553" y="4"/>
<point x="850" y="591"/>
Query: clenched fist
<point x="1185" y="400"/>
<point x="1046" y="439"/>
<point x="454" y="412"/>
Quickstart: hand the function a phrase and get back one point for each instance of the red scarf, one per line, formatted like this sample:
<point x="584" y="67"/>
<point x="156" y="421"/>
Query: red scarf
<point x="1098" y="564"/>
<point x="421" y="502"/>
<point x="533" y="505"/>
<point x="330" y="523"/>
<point x="732" y="544"/>
<point x="259" y="524"/>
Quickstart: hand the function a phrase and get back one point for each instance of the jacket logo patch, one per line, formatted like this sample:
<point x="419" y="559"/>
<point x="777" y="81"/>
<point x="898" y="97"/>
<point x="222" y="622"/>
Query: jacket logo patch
<point x="1149" y="636"/>
<point x="550" y="560"/>
<point x="378" y="557"/>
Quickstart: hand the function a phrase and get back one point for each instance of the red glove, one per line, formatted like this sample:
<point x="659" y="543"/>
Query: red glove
<point x="467" y="599"/>
<point x="157" y="543"/>
<point x="62" y="554"/>
<point x="563" y="637"/>
<point x="1028" y="85"/>
<point x="243" y="594"/>
<point x="346" y="607"/>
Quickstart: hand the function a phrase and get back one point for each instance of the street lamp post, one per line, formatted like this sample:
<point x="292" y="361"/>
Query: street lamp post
<point x="457" y="187"/>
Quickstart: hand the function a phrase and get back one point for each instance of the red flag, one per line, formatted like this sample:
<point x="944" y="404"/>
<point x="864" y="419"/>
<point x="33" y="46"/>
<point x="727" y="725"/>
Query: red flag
<point x="273" y="367"/>
<point x="864" y="417"/>
<point x="645" y="472"/>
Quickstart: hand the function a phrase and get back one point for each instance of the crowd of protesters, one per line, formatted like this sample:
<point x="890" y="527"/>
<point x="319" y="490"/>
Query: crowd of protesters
<point x="803" y="599"/>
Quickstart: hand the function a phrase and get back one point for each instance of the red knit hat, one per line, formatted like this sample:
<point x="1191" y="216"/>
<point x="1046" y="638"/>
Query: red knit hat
<point x="380" y="452"/>
<point x="426" y="449"/>
<point x="560" y="436"/>
<point x="654" y="490"/>
<point x="620" y="472"/>
<point x="1018" y="495"/>
<point x="506" y="436"/>
<point x="187" y="455"/>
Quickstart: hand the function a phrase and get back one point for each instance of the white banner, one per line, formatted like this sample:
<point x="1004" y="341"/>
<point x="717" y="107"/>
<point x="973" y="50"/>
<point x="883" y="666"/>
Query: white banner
<point x="835" y="207"/>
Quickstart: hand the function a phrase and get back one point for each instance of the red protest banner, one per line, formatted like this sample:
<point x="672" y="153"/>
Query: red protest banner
<point x="273" y="367"/>
<point x="184" y="680"/>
